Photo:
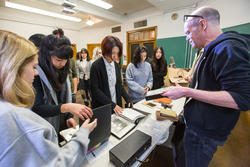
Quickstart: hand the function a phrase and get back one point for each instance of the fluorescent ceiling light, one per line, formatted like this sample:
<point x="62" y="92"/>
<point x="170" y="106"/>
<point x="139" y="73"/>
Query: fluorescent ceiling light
<point x="68" y="4"/>
<point x="69" y="11"/>
<point x="40" y="11"/>
<point x="99" y="3"/>
<point x="90" y="22"/>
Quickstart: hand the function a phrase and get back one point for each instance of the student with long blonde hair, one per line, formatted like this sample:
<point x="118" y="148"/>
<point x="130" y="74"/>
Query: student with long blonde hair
<point x="26" y="138"/>
<point x="97" y="53"/>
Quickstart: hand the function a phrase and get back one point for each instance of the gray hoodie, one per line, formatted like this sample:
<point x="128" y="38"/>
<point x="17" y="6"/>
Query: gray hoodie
<point x="28" y="140"/>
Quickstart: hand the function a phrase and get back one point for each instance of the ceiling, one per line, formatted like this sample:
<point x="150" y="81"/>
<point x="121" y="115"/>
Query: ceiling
<point x="125" y="7"/>
<point x="116" y="15"/>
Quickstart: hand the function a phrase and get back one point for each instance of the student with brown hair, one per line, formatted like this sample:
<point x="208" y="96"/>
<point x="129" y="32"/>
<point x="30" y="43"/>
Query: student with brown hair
<point x="105" y="75"/>
<point x="84" y="65"/>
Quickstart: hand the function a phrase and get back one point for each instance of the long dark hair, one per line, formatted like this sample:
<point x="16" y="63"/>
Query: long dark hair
<point x="162" y="60"/>
<point x="137" y="55"/>
<point x="37" y="39"/>
<point x="85" y="51"/>
<point x="60" y="47"/>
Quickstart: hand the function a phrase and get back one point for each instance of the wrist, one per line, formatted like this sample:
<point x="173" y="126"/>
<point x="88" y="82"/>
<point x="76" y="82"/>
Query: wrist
<point x="187" y="92"/>
<point x="64" y="108"/>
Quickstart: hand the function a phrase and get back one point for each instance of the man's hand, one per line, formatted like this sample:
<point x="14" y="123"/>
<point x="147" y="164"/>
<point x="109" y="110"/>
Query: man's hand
<point x="175" y="92"/>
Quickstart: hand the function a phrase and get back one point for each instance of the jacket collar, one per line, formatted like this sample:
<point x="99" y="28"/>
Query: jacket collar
<point x="45" y="80"/>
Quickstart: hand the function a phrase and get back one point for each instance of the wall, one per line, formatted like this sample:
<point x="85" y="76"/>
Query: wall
<point x="240" y="15"/>
<point x="232" y="14"/>
<point x="169" y="28"/>
<point x="95" y="35"/>
<point x="35" y="24"/>
<point x="172" y="31"/>
<point x="237" y="20"/>
<point x="176" y="46"/>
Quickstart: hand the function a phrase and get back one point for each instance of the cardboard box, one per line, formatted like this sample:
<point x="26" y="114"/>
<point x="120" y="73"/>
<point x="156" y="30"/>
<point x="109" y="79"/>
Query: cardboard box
<point x="176" y="75"/>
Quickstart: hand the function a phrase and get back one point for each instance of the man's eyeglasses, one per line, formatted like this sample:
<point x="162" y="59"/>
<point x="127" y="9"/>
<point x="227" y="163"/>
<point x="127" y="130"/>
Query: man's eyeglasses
<point x="187" y="16"/>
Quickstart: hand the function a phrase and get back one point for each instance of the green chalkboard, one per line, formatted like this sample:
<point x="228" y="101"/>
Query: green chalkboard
<point x="176" y="46"/>
<point x="243" y="28"/>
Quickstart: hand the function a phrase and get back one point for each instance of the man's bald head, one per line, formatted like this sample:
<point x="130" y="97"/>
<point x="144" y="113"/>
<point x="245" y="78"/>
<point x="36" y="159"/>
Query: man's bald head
<point x="202" y="27"/>
<point x="210" y="14"/>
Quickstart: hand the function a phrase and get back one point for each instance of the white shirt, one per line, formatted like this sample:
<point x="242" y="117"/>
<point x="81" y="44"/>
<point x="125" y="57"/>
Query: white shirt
<point x="84" y="65"/>
<point x="110" y="67"/>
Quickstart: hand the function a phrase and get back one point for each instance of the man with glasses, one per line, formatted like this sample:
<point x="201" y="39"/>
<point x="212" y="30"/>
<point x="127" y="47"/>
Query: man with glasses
<point x="220" y="88"/>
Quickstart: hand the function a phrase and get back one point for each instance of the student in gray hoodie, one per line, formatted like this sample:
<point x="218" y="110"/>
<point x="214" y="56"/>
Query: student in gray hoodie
<point x="26" y="138"/>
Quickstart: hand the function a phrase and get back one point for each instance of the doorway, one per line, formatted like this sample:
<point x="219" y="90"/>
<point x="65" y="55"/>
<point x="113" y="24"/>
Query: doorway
<point x="135" y="38"/>
<point x="91" y="47"/>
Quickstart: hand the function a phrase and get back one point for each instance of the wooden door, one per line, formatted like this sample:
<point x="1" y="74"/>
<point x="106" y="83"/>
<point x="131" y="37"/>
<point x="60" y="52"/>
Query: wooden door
<point x="135" y="38"/>
<point x="74" y="51"/>
<point x="91" y="47"/>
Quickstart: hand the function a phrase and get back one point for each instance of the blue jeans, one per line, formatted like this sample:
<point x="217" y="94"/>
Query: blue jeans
<point x="199" y="150"/>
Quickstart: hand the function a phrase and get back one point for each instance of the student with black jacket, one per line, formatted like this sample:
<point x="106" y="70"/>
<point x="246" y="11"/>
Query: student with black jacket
<point x="52" y="85"/>
<point x="159" y="68"/>
<point x="105" y="77"/>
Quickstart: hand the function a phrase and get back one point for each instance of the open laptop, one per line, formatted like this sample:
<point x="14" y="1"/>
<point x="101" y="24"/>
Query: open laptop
<point x="103" y="129"/>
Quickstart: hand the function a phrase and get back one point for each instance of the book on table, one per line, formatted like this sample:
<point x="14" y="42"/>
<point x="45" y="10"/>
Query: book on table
<point x="154" y="94"/>
<point x="122" y="124"/>
<point x="68" y="133"/>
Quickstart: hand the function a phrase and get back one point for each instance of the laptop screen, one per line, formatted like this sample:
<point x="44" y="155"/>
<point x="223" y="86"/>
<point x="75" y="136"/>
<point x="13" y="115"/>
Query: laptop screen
<point x="103" y="129"/>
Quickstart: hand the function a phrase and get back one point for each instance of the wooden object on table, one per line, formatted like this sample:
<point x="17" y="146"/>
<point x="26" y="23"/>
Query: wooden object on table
<point x="163" y="100"/>
<point x="165" y="114"/>
<point x="149" y="104"/>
